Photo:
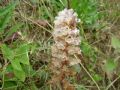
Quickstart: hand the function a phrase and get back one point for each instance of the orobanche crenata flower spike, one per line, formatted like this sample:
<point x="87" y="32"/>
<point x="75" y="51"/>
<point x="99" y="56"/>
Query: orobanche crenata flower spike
<point x="66" y="47"/>
<point x="66" y="37"/>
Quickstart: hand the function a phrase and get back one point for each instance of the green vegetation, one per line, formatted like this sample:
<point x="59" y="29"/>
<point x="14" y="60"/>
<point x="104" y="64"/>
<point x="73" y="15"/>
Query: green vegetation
<point x="26" y="28"/>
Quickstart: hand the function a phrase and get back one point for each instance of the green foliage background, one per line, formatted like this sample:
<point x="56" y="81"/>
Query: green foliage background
<point x="26" y="39"/>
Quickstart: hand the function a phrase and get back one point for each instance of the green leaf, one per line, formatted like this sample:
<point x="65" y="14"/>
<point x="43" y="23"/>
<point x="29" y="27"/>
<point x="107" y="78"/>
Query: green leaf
<point x="6" y="14"/>
<point x="28" y="70"/>
<point x="7" y="52"/>
<point x="87" y="11"/>
<point x="15" y="61"/>
<point x="5" y="20"/>
<point x="16" y="64"/>
<point x="10" y="85"/>
<point x="115" y="43"/>
<point x="110" y="65"/>
<point x="22" y="54"/>
<point x="9" y="68"/>
<point x="86" y="48"/>
<point x="74" y="3"/>
<point x="20" y="74"/>
<point x="97" y="77"/>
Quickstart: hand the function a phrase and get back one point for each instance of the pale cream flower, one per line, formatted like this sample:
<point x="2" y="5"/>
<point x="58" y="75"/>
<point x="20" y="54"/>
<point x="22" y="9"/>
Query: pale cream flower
<point x="74" y="32"/>
<point x="65" y="16"/>
<point x="66" y="37"/>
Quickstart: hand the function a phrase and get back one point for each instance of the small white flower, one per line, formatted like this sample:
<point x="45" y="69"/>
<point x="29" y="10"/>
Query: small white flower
<point x="74" y="32"/>
<point x="75" y="14"/>
<point x="78" y="20"/>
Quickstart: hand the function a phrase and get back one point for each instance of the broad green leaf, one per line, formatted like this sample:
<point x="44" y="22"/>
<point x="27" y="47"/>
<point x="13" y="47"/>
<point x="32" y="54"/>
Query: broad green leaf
<point x="7" y="52"/>
<point x="22" y="54"/>
<point x="28" y="70"/>
<point x="20" y="74"/>
<point x="115" y="43"/>
<point x="110" y="65"/>
<point x="16" y="64"/>
<point x="9" y="68"/>
<point x="10" y="85"/>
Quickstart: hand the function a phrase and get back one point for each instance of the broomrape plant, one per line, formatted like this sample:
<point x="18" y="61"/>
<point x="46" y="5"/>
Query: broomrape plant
<point x="67" y="40"/>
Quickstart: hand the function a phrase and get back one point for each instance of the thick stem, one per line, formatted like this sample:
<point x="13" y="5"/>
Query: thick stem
<point x="68" y="4"/>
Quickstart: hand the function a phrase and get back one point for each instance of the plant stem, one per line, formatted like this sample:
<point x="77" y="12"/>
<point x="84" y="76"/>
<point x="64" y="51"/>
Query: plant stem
<point x="88" y="74"/>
